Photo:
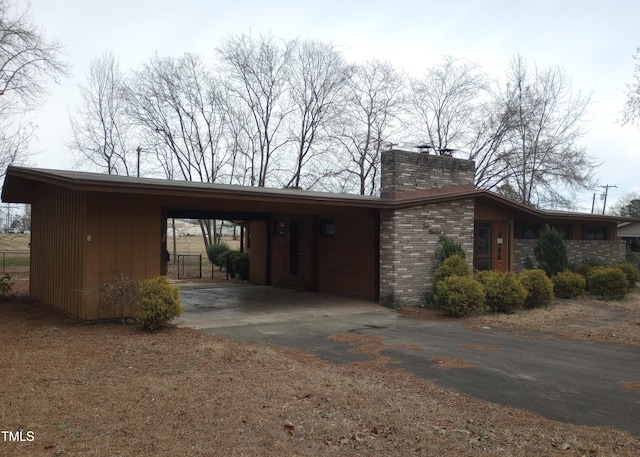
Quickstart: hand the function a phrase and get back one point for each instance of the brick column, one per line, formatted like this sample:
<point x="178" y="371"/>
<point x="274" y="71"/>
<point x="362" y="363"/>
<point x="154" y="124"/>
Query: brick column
<point x="410" y="236"/>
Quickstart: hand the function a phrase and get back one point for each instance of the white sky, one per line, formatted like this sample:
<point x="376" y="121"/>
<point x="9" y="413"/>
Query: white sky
<point x="593" y="40"/>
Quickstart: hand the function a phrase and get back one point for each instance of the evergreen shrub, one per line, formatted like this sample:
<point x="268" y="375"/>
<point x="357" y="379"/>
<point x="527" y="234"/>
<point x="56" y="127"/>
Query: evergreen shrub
<point x="504" y="293"/>
<point x="630" y="271"/>
<point x="238" y="265"/>
<point x="452" y="266"/>
<point x="448" y="247"/>
<point x="539" y="288"/>
<point x="607" y="283"/>
<point x="217" y="254"/>
<point x="459" y="296"/>
<point x="158" y="303"/>
<point x="588" y="264"/>
<point x="551" y="252"/>
<point x="568" y="284"/>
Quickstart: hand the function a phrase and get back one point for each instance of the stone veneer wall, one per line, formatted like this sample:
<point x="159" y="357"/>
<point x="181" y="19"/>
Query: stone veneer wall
<point x="410" y="236"/>
<point x="408" y="241"/>
<point x="577" y="250"/>
<point x="407" y="171"/>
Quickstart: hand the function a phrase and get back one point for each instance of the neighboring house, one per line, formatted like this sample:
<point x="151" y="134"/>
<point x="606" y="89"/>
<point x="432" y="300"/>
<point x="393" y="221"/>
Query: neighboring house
<point x="87" y="226"/>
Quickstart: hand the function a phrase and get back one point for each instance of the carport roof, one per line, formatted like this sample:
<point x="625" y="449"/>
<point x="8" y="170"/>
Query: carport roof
<point x="20" y="183"/>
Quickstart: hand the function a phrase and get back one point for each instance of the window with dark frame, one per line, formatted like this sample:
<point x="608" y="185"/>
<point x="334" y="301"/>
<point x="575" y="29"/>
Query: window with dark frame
<point x="591" y="232"/>
<point x="327" y="227"/>
<point x="563" y="229"/>
<point x="526" y="231"/>
<point x="482" y="256"/>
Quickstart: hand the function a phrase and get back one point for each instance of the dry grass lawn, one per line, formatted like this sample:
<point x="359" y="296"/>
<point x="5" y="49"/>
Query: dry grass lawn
<point x="112" y="390"/>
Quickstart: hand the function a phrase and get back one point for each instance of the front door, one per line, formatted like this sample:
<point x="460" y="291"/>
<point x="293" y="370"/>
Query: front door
<point x="491" y="246"/>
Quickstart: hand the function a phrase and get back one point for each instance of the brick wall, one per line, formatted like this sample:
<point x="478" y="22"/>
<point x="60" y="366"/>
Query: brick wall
<point x="409" y="237"/>
<point x="408" y="241"/>
<point x="577" y="250"/>
<point x="407" y="171"/>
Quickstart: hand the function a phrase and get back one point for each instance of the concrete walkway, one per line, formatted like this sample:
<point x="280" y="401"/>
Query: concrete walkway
<point x="569" y="381"/>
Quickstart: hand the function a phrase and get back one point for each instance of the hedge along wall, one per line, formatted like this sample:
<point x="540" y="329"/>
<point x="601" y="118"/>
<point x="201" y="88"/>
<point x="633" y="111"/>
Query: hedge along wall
<point x="577" y="250"/>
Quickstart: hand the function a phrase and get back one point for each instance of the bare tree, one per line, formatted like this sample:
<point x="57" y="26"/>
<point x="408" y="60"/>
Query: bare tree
<point x="28" y="62"/>
<point x="627" y="205"/>
<point x="256" y="72"/>
<point x="631" y="110"/>
<point x="100" y="126"/>
<point x="445" y="102"/>
<point x="374" y="104"/>
<point x="176" y="104"/>
<point x="318" y="75"/>
<point x="543" y="160"/>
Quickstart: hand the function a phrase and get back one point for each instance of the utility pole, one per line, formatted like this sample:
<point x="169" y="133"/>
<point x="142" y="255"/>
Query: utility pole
<point x="606" y="193"/>
<point x="593" y="202"/>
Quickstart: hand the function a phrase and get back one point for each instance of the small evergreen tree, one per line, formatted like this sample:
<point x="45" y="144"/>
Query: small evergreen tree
<point x="551" y="252"/>
<point x="448" y="247"/>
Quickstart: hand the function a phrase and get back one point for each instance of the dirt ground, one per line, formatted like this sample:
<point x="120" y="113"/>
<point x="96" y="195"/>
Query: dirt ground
<point x="105" y="389"/>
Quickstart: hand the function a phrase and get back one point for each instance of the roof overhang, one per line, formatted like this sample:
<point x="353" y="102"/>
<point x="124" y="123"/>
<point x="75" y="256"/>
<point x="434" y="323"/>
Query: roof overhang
<point x="21" y="183"/>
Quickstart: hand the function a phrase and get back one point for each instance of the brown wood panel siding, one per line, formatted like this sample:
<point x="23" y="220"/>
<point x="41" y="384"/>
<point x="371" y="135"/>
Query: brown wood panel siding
<point x="56" y="248"/>
<point x="347" y="262"/>
<point x="126" y="239"/>
<point x="489" y="213"/>
<point x="257" y="249"/>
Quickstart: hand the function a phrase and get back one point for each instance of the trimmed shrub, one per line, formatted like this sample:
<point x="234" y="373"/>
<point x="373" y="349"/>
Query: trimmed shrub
<point x="159" y="302"/>
<point x="452" y="266"/>
<point x="539" y="288"/>
<point x="551" y="252"/>
<point x="238" y="265"/>
<point x="217" y="254"/>
<point x="588" y="264"/>
<point x="448" y="247"/>
<point x="459" y="296"/>
<point x="630" y="271"/>
<point x="607" y="283"/>
<point x="504" y="293"/>
<point x="568" y="284"/>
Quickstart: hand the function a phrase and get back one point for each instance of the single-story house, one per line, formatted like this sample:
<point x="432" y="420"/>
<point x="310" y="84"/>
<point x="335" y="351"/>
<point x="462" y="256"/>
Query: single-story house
<point x="87" y="226"/>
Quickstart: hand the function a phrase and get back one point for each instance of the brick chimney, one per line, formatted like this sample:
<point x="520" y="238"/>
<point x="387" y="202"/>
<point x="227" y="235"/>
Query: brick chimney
<point x="409" y="236"/>
<point x="404" y="173"/>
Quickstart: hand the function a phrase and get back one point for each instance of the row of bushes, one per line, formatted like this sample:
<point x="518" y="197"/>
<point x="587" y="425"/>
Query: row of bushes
<point x="236" y="262"/>
<point x="459" y="292"/>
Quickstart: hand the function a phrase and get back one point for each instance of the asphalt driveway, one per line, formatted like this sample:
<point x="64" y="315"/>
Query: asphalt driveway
<point x="564" y="380"/>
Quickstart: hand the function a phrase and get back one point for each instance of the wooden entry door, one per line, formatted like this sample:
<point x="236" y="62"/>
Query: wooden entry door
<point x="500" y="246"/>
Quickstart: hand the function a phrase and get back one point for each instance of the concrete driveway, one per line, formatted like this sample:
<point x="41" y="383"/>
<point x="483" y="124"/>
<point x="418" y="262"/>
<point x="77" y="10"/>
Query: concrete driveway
<point x="568" y="381"/>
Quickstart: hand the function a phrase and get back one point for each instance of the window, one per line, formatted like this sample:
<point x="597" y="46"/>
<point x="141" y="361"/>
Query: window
<point x="482" y="246"/>
<point x="327" y="227"/>
<point x="590" y="232"/>
<point x="278" y="228"/>
<point x="564" y="229"/>
<point x="526" y="231"/>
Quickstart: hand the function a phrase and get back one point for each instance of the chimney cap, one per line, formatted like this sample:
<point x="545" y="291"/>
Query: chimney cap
<point x="424" y="147"/>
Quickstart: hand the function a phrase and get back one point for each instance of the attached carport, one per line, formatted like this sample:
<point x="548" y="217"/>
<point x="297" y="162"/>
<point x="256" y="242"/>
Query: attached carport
<point x="87" y="226"/>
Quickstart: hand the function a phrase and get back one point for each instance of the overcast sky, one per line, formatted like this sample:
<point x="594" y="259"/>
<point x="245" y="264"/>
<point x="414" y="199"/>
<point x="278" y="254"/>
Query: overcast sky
<point x="593" y="40"/>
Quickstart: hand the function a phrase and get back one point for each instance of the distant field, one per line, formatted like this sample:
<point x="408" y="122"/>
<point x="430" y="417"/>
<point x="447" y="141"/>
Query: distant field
<point x="195" y="244"/>
<point x="14" y="241"/>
